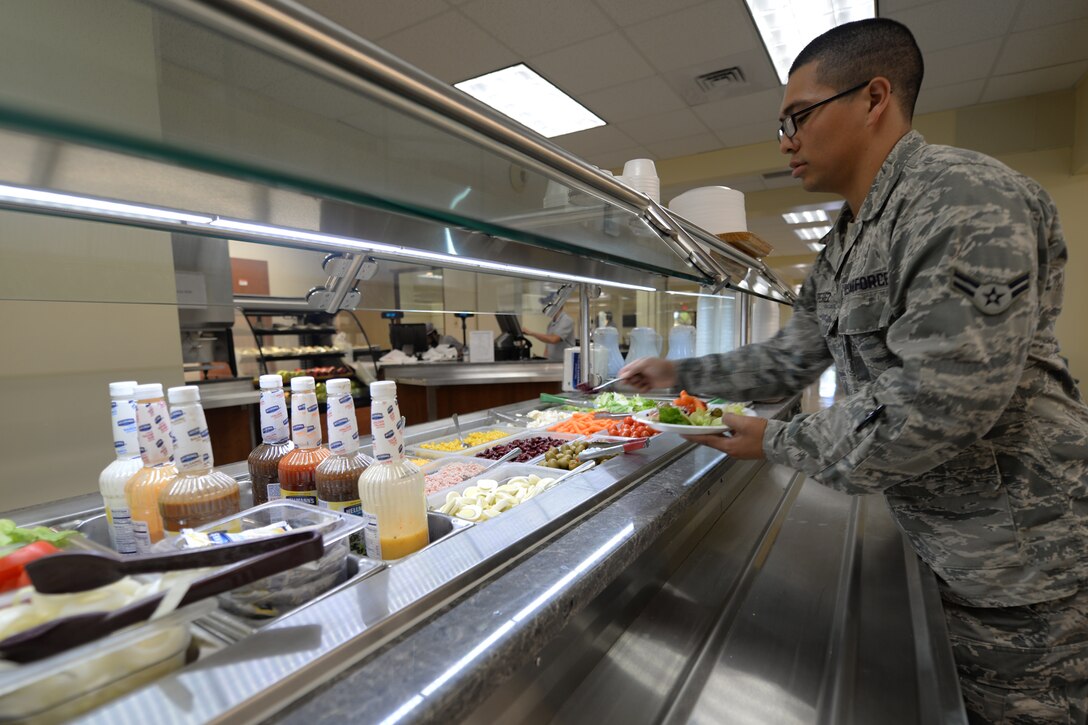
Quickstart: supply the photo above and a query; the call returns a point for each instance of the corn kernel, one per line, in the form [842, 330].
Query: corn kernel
[477, 438]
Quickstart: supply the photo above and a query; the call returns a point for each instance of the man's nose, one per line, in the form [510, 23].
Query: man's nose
[787, 145]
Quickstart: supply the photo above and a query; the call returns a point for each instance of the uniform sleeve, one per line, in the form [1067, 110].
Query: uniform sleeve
[783, 365]
[966, 257]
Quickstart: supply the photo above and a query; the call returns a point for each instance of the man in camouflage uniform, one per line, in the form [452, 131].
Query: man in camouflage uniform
[935, 298]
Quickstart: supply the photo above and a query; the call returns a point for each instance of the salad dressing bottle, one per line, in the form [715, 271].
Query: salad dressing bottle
[275, 443]
[391, 489]
[157, 451]
[337, 477]
[199, 494]
[112, 480]
[297, 468]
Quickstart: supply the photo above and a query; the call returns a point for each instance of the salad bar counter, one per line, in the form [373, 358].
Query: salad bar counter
[605, 577]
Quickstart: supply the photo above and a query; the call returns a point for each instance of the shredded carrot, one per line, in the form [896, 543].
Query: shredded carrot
[581, 424]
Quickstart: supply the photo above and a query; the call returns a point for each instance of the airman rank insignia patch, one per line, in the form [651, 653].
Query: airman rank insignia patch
[990, 298]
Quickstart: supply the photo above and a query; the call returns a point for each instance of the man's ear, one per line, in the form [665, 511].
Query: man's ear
[880, 98]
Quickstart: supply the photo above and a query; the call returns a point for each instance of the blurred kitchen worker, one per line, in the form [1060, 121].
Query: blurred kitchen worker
[560, 334]
[935, 298]
[434, 340]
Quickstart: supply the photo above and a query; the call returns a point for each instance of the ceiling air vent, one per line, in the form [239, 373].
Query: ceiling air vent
[719, 79]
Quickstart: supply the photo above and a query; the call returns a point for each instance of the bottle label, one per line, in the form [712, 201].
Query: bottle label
[309, 497]
[120, 522]
[275, 421]
[153, 430]
[192, 446]
[141, 536]
[123, 418]
[274, 492]
[388, 429]
[342, 426]
[354, 508]
[370, 536]
[305, 425]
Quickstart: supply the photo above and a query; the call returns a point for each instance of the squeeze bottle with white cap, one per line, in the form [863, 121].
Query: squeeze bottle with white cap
[275, 443]
[391, 489]
[157, 450]
[296, 469]
[200, 494]
[337, 477]
[112, 480]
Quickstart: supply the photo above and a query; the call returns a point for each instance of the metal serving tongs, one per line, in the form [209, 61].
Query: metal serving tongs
[591, 454]
[587, 388]
[457, 427]
[65, 633]
[512, 453]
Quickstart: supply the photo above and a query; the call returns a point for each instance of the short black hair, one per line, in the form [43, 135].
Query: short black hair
[853, 53]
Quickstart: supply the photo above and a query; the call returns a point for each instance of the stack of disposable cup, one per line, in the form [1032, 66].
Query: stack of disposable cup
[717, 209]
[641, 175]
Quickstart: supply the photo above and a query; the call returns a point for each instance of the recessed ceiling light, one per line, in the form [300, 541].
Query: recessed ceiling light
[526, 97]
[806, 217]
[787, 26]
[812, 232]
[816, 246]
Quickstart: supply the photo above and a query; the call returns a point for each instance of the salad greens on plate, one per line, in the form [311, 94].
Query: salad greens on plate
[674, 415]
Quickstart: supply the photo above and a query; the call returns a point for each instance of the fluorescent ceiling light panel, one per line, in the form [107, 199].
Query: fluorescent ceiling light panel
[812, 232]
[806, 217]
[526, 97]
[816, 246]
[787, 26]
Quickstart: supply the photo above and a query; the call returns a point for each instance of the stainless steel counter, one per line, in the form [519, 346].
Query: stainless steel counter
[672, 583]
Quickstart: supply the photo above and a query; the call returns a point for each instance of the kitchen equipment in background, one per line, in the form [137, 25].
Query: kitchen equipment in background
[608, 338]
[681, 342]
[645, 342]
[205, 295]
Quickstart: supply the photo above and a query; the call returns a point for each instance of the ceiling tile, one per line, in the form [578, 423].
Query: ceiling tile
[614, 160]
[949, 23]
[629, 12]
[373, 19]
[947, 97]
[967, 62]
[1044, 47]
[686, 146]
[593, 64]
[644, 97]
[450, 47]
[595, 140]
[761, 108]
[1037, 15]
[694, 35]
[664, 126]
[1031, 82]
[532, 27]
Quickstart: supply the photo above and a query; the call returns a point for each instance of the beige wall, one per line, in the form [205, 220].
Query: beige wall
[1044, 136]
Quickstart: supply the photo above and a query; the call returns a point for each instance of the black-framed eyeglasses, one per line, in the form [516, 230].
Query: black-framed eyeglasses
[789, 125]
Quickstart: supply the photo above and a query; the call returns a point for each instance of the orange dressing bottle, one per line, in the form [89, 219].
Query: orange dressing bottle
[297, 468]
[157, 450]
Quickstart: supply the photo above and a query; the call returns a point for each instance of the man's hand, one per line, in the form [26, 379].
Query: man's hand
[747, 439]
[649, 373]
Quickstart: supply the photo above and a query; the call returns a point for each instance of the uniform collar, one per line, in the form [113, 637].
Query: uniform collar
[845, 233]
[889, 174]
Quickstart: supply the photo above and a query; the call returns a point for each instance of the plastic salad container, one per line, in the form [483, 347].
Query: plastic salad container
[501, 474]
[67, 684]
[416, 450]
[277, 594]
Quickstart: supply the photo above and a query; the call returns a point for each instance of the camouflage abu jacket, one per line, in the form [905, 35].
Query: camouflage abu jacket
[937, 307]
